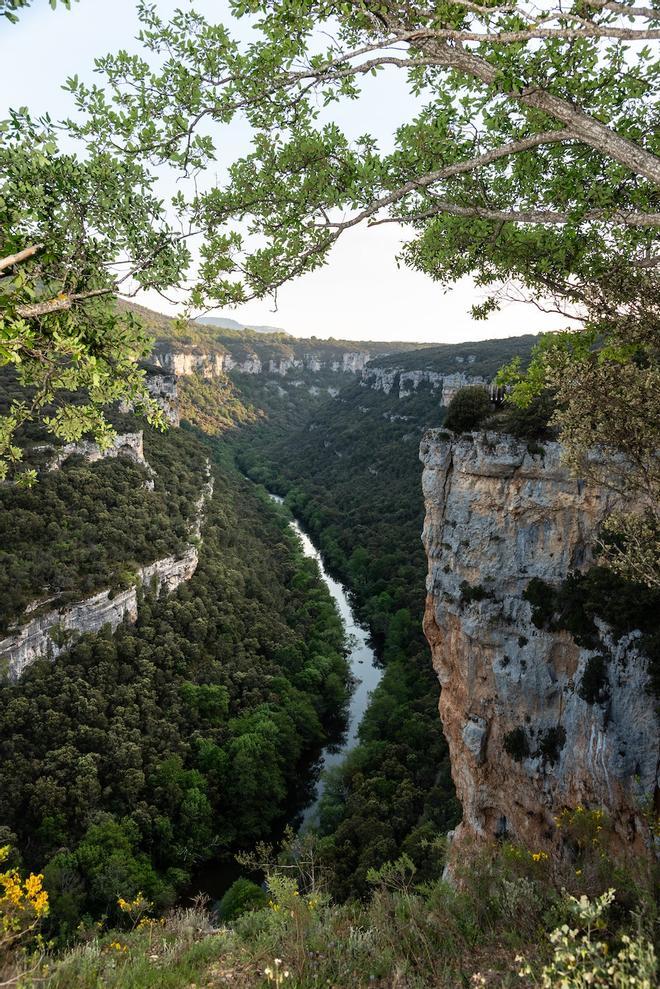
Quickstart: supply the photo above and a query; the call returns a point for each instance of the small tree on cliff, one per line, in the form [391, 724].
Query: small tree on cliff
[468, 409]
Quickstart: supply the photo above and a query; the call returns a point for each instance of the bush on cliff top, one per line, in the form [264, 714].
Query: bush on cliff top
[506, 925]
[468, 409]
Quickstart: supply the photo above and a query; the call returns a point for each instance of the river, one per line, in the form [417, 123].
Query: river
[214, 878]
[363, 667]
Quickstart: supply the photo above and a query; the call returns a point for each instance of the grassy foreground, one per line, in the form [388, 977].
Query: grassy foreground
[511, 919]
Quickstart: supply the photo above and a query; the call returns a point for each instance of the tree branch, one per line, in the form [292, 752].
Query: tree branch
[60, 303]
[23, 255]
[620, 8]
[587, 30]
[588, 129]
[517, 216]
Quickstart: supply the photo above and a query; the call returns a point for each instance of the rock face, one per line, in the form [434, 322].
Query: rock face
[211, 365]
[50, 633]
[123, 445]
[163, 388]
[497, 516]
[182, 363]
[406, 382]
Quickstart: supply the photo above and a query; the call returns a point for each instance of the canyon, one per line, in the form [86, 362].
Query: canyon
[525, 744]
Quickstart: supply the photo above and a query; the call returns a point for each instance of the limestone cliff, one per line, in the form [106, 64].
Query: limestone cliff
[53, 630]
[129, 445]
[163, 388]
[524, 742]
[404, 382]
[255, 359]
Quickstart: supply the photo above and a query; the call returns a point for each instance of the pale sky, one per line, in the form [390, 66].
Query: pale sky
[361, 293]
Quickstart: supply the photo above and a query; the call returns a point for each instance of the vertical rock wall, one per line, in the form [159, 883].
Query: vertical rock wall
[497, 516]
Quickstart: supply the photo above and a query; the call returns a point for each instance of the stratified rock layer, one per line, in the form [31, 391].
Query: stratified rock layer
[496, 516]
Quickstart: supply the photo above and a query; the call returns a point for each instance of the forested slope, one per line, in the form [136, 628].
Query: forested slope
[136, 756]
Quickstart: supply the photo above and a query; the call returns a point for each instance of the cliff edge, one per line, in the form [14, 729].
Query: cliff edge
[536, 721]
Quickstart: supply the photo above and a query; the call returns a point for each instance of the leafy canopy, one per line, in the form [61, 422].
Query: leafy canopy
[67, 226]
[530, 156]
[531, 163]
[10, 8]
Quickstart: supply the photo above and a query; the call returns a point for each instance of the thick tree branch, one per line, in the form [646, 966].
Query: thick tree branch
[23, 255]
[587, 30]
[516, 216]
[60, 303]
[620, 8]
[589, 130]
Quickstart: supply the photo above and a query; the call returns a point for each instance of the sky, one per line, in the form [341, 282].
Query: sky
[362, 293]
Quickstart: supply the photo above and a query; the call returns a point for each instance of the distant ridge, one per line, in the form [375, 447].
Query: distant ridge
[231, 324]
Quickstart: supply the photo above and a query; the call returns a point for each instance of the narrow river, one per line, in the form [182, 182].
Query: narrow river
[362, 662]
[215, 877]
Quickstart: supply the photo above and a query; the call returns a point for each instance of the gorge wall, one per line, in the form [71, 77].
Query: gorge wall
[524, 742]
[390, 380]
[181, 363]
[53, 630]
[403, 382]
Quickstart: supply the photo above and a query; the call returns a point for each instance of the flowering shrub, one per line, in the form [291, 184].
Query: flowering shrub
[275, 973]
[135, 909]
[23, 904]
[581, 961]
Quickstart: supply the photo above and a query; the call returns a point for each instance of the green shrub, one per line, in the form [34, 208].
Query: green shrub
[516, 744]
[595, 687]
[242, 896]
[581, 959]
[552, 742]
[476, 593]
[468, 409]
[531, 423]
[541, 596]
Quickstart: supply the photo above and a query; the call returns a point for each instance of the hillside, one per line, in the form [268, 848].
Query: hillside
[482, 358]
[232, 324]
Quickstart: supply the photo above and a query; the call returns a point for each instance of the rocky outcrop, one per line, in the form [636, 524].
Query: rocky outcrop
[129, 445]
[181, 363]
[248, 365]
[387, 379]
[352, 362]
[50, 633]
[524, 743]
[163, 388]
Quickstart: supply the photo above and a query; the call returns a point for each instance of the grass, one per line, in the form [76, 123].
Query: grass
[479, 932]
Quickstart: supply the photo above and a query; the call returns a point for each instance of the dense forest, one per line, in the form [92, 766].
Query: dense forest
[182, 736]
[482, 359]
[86, 527]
